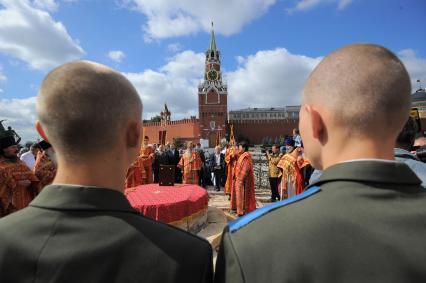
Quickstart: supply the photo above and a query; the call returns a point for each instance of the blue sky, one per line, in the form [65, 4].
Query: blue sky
[268, 47]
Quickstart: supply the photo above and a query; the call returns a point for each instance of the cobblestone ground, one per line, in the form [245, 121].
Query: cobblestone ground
[221, 201]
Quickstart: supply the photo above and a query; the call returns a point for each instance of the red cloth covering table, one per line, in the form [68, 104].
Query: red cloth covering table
[177, 205]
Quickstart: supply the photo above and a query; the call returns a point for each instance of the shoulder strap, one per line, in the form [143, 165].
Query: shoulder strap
[243, 221]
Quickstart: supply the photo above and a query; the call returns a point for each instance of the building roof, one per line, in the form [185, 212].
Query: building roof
[419, 95]
[270, 109]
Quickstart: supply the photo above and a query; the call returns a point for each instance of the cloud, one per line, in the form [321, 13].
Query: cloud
[304, 5]
[2, 76]
[416, 66]
[116, 55]
[31, 35]
[343, 4]
[21, 115]
[174, 47]
[269, 78]
[185, 17]
[48, 5]
[175, 84]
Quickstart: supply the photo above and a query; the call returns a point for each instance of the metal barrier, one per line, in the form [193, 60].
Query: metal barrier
[260, 168]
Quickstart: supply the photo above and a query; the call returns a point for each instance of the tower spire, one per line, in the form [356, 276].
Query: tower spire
[212, 40]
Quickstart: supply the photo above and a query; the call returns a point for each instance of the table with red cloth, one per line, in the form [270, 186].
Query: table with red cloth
[184, 206]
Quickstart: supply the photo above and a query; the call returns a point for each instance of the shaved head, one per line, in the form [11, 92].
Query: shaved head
[84, 106]
[365, 87]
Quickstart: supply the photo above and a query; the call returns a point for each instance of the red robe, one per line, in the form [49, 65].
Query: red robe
[14, 197]
[190, 167]
[147, 157]
[244, 185]
[231, 157]
[292, 179]
[44, 169]
[135, 174]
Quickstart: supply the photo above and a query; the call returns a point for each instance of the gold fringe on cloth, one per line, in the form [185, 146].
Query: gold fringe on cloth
[189, 218]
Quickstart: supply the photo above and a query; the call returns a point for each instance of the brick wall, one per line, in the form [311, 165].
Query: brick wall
[187, 129]
[257, 130]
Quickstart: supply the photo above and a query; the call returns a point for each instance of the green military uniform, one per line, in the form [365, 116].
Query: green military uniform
[362, 221]
[81, 234]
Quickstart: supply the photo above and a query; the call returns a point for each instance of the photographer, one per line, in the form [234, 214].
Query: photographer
[273, 156]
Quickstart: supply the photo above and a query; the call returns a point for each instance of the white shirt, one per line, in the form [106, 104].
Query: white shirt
[217, 159]
[28, 159]
[297, 140]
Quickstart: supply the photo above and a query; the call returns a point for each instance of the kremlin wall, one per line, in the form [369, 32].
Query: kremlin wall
[185, 129]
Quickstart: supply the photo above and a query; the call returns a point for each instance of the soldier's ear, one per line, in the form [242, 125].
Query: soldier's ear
[317, 125]
[133, 134]
[40, 130]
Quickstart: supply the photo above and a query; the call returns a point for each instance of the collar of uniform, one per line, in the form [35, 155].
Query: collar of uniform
[375, 171]
[75, 197]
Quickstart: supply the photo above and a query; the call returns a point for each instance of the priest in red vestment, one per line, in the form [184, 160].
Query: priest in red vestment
[45, 166]
[18, 184]
[244, 182]
[291, 176]
[191, 164]
[134, 175]
[231, 157]
[140, 172]
[147, 158]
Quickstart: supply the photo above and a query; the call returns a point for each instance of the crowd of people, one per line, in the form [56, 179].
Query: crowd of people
[231, 169]
[289, 172]
[23, 174]
[362, 220]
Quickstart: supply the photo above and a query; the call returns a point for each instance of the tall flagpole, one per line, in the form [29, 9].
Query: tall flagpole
[143, 141]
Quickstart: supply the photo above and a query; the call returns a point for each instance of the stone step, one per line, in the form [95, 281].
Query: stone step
[216, 222]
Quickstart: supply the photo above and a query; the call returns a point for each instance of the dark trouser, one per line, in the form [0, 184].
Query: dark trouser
[156, 176]
[274, 182]
[178, 175]
[218, 178]
[201, 178]
[224, 176]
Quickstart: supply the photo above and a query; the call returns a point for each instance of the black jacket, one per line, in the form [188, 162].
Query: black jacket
[160, 159]
[173, 158]
[212, 161]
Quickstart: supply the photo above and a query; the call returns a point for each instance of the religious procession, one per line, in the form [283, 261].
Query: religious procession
[233, 179]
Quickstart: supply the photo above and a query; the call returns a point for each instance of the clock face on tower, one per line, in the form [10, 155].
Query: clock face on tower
[212, 75]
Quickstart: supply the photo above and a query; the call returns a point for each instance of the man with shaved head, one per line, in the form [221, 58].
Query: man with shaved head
[364, 220]
[82, 228]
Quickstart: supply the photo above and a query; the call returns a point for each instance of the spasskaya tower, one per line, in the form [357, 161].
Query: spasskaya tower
[212, 97]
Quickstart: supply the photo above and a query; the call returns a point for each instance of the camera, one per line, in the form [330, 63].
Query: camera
[421, 153]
